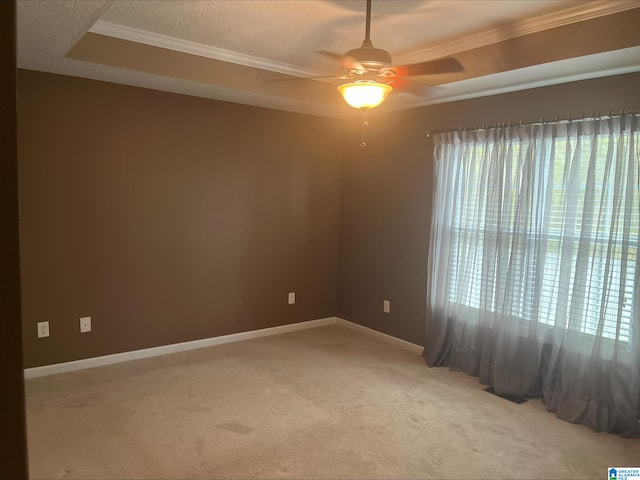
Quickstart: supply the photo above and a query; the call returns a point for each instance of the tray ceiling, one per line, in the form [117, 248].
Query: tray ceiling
[259, 52]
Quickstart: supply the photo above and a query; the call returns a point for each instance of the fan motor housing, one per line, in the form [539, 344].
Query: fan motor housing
[373, 59]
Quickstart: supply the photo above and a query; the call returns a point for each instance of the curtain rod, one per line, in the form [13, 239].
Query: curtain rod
[540, 121]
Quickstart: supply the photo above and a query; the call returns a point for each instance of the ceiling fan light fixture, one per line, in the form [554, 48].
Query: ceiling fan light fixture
[364, 94]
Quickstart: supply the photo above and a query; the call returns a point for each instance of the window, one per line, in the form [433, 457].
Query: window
[533, 281]
[550, 215]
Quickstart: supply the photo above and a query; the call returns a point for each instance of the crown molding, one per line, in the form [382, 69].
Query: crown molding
[564, 71]
[123, 32]
[580, 13]
[527, 85]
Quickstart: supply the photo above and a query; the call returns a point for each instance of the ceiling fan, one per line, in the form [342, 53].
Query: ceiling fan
[373, 76]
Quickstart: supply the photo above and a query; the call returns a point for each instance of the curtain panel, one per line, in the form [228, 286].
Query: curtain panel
[533, 278]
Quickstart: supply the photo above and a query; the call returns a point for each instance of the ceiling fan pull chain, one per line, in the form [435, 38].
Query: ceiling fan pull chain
[365, 123]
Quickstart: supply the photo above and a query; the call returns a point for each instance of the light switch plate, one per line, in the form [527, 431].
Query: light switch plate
[386, 306]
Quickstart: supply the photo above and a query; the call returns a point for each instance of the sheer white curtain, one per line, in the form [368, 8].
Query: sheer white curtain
[533, 265]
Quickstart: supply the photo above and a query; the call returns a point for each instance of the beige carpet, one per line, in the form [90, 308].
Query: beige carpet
[323, 403]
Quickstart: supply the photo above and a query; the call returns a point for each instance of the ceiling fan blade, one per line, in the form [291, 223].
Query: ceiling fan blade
[402, 84]
[332, 55]
[431, 67]
[348, 63]
[322, 77]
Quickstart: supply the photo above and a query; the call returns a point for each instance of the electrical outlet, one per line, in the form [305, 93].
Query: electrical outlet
[43, 329]
[85, 324]
[292, 298]
[386, 306]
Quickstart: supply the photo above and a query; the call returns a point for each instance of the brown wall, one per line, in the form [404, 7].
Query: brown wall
[13, 441]
[168, 218]
[387, 188]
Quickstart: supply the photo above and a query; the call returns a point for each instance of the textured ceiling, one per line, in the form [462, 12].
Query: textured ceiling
[254, 51]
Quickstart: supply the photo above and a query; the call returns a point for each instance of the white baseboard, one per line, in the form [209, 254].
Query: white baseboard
[383, 336]
[209, 342]
[172, 348]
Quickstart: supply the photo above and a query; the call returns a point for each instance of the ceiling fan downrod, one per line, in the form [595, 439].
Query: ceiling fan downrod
[367, 29]
[369, 58]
